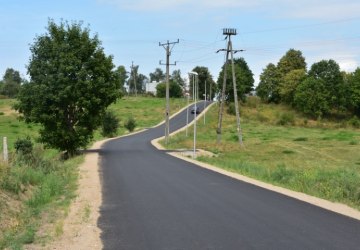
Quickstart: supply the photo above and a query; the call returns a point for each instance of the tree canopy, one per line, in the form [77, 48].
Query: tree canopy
[268, 88]
[72, 82]
[244, 79]
[11, 82]
[157, 76]
[204, 77]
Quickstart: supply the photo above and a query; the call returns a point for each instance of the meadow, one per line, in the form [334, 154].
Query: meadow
[285, 148]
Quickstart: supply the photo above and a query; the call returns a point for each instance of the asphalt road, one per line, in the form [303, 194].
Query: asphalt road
[154, 201]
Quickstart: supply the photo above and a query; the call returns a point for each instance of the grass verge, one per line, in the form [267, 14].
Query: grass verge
[320, 158]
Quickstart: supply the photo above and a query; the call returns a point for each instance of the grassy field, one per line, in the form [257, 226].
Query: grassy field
[320, 158]
[38, 189]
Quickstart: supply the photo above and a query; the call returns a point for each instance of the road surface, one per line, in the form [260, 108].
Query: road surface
[152, 200]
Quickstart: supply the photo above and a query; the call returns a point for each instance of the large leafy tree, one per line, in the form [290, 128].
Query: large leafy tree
[268, 88]
[175, 90]
[329, 72]
[122, 75]
[244, 79]
[72, 82]
[293, 59]
[204, 77]
[157, 76]
[354, 92]
[139, 79]
[176, 77]
[312, 97]
[289, 83]
[11, 82]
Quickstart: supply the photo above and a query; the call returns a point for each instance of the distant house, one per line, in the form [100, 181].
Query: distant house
[151, 87]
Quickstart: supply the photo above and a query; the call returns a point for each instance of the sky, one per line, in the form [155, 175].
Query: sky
[131, 31]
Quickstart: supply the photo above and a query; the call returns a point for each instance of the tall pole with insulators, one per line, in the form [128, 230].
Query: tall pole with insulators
[229, 50]
[167, 108]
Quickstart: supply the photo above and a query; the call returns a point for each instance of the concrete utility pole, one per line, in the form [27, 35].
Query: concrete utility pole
[167, 112]
[134, 77]
[229, 49]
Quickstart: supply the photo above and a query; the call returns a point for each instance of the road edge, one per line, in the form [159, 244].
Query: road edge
[319, 202]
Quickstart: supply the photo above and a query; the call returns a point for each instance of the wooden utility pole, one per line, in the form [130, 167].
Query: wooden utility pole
[229, 49]
[5, 150]
[167, 111]
[134, 77]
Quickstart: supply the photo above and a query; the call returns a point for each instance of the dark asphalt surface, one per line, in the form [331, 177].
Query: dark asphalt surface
[154, 201]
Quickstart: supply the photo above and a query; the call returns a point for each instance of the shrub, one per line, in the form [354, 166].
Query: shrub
[24, 146]
[110, 124]
[286, 119]
[355, 122]
[231, 109]
[130, 124]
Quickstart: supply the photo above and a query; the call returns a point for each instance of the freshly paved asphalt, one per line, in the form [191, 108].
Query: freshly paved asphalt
[154, 201]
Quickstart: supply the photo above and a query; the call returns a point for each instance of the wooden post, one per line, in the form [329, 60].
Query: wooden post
[5, 150]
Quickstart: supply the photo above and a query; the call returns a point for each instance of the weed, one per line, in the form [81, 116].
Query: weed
[301, 139]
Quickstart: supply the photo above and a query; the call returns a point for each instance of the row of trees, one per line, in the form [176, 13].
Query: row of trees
[322, 90]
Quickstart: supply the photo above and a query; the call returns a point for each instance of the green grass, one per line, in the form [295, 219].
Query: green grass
[146, 111]
[40, 189]
[317, 158]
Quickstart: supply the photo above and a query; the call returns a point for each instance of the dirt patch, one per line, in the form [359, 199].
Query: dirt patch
[7, 111]
[79, 229]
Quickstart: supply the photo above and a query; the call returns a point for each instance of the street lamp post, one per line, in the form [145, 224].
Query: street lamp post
[195, 74]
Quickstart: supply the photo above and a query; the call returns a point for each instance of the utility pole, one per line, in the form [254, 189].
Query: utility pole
[229, 49]
[134, 77]
[167, 111]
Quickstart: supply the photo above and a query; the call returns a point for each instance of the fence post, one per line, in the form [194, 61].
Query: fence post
[5, 150]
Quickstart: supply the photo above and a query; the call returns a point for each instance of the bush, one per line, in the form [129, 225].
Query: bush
[231, 109]
[286, 119]
[355, 122]
[130, 124]
[110, 124]
[24, 146]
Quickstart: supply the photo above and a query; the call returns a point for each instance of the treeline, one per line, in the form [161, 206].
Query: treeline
[320, 91]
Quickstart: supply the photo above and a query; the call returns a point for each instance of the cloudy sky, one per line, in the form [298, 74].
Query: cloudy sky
[131, 30]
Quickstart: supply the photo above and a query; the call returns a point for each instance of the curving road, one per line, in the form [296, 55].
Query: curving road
[152, 200]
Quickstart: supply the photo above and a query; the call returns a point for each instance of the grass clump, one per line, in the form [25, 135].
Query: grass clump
[38, 183]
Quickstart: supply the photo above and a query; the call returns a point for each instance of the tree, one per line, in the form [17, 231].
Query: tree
[293, 59]
[176, 77]
[140, 80]
[204, 76]
[157, 76]
[268, 88]
[329, 72]
[311, 97]
[354, 92]
[11, 83]
[289, 84]
[72, 82]
[175, 91]
[122, 75]
[244, 79]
